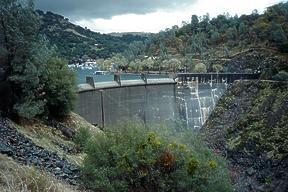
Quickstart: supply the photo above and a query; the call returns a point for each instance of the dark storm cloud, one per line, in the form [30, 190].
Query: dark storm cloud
[87, 9]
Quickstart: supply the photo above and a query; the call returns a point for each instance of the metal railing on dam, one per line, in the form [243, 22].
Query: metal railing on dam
[107, 103]
[215, 77]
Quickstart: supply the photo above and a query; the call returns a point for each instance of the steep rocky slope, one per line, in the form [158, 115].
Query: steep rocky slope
[250, 127]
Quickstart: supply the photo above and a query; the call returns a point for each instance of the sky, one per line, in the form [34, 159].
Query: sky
[106, 16]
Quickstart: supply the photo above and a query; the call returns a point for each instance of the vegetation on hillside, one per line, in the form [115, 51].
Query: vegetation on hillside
[33, 81]
[203, 34]
[203, 40]
[214, 41]
[75, 43]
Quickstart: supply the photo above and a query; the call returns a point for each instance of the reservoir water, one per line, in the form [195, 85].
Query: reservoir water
[82, 73]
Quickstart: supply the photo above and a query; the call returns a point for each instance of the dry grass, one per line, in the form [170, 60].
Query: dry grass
[76, 122]
[15, 177]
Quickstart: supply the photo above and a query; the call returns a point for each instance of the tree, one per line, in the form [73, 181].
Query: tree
[215, 37]
[194, 23]
[135, 65]
[147, 64]
[22, 67]
[59, 86]
[200, 68]
[243, 30]
[232, 33]
[277, 35]
[119, 60]
[24, 61]
[172, 64]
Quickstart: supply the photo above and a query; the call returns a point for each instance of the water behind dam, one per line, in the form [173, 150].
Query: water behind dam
[189, 104]
[82, 73]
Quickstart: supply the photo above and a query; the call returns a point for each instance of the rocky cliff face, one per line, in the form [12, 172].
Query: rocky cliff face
[250, 127]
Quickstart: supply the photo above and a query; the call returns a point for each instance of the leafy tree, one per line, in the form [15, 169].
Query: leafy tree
[104, 64]
[21, 65]
[172, 64]
[204, 25]
[215, 37]
[200, 68]
[119, 60]
[194, 23]
[59, 86]
[24, 62]
[243, 30]
[277, 35]
[188, 63]
[147, 64]
[135, 65]
[232, 33]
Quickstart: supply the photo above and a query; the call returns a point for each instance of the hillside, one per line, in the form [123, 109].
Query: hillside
[246, 43]
[202, 35]
[40, 156]
[74, 42]
[249, 127]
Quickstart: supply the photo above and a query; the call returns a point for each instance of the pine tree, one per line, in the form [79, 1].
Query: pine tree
[24, 61]
[19, 26]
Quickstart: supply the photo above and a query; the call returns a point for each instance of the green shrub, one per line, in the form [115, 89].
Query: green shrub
[133, 158]
[281, 76]
[82, 137]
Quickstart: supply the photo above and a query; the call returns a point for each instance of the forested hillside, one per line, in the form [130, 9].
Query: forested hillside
[246, 43]
[74, 42]
[203, 33]
[260, 39]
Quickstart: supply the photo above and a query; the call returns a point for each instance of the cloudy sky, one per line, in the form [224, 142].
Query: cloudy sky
[144, 15]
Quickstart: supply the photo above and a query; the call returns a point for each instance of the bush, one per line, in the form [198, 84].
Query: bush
[133, 158]
[281, 76]
[82, 137]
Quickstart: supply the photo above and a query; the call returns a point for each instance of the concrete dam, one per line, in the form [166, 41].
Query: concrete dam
[149, 100]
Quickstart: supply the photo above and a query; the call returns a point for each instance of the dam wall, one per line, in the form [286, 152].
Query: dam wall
[108, 103]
